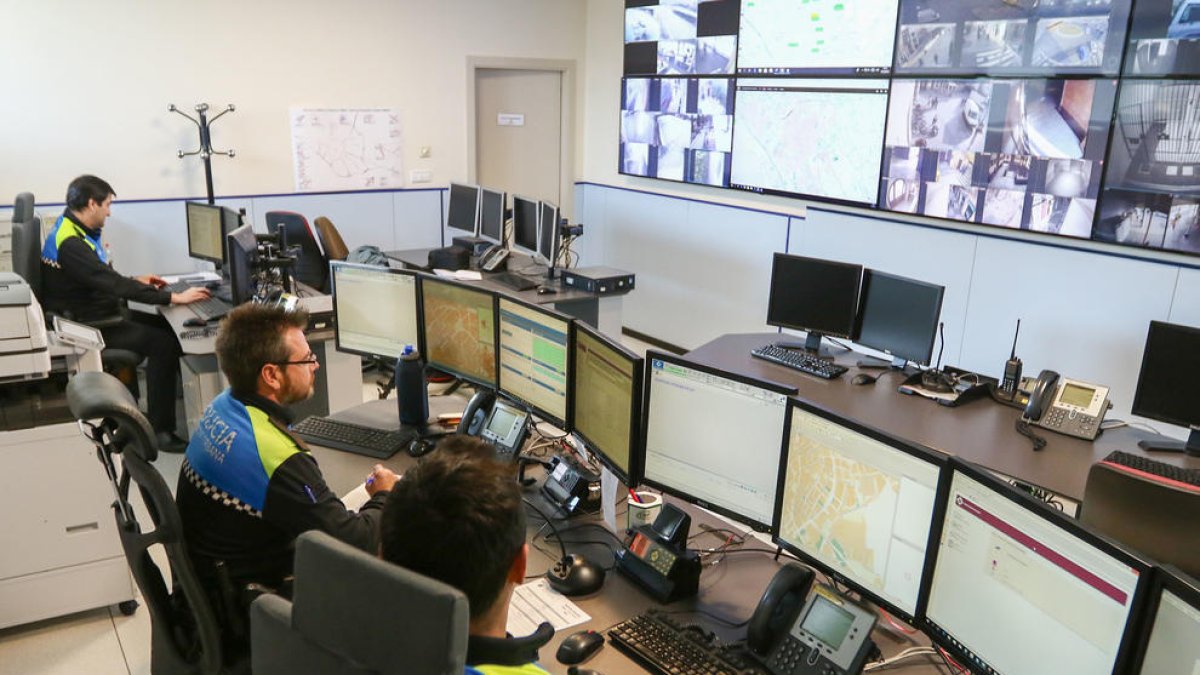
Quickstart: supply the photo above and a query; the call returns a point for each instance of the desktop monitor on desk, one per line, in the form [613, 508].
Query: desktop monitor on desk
[817, 296]
[535, 359]
[376, 310]
[1167, 384]
[900, 317]
[1167, 644]
[242, 249]
[462, 213]
[859, 504]
[606, 397]
[1018, 587]
[713, 437]
[548, 233]
[459, 325]
[526, 215]
[491, 215]
[206, 232]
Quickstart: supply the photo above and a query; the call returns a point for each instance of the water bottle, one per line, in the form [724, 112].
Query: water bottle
[412, 396]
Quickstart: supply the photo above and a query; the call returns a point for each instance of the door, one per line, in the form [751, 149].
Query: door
[518, 132]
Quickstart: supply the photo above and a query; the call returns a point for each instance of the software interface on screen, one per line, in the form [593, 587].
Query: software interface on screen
[205, 232]
[820, 37]
[681, 37]
[816, 295]
[859, 506]
[525, 224]
[376, 310]
[900, 316]
[1173, 648]
[463, 211]
[714, 439]
[533, 358]
[460, 326]
[1065, 602]
[491, 215]
[605, 382]
[810, 137]
[677, 129]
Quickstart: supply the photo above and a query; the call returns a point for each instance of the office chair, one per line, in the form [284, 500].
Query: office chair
[312, 267]
[184, 631]
[1145, 511]
[352, 614]
[331, 239]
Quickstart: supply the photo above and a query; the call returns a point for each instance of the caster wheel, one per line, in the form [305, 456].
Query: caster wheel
[128, 607]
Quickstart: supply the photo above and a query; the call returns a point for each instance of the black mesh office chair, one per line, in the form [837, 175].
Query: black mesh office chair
[185, 633]
[312, 267]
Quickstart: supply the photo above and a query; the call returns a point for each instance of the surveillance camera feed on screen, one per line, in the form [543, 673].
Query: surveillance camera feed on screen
[817, 38]
[680, 37]
[1022, 154]
[678, 129]
[1164, 39]
[1011, 37]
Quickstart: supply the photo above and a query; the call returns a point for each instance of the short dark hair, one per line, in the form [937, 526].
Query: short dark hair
[457, 517]
[251, 336]
[87, 188]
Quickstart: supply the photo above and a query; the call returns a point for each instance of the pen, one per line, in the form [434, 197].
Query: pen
[635, 496]
[308, 491]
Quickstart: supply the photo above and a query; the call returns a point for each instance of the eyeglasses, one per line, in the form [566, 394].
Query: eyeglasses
[310, 360]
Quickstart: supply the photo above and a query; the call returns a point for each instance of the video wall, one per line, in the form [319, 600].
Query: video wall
[1075, 118]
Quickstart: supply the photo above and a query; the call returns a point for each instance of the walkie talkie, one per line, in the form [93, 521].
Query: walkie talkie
[1012, 369]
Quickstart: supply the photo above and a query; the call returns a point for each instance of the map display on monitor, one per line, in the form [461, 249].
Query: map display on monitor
[817, 37]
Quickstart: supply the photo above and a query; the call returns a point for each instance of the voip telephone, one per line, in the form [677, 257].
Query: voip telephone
[1068, 406]
[495, 421]
[492, 258]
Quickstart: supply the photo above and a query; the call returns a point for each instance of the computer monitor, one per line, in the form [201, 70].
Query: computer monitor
[606, 399]
[526, 214]
[900, 317]
[535, 358]
[817, 296]
[858, 504]
[243, 254]
[205, 232]
[459, 325]
[463, 211]
[1018, 587]
[1166, 388]
[713, 437]
[1168, 642]
[548, 233]
[491, 215]
[375, 309]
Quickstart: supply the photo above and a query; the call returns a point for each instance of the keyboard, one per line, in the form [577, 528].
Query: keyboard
[210, 309]
[199, 333]
[1162, 470]
[513, 281]
[799, 360]
[356, 438]
[662, 645]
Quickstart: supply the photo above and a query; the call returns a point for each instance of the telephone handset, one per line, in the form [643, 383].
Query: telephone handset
[1068, 406]
[492, 258]
[476, 412]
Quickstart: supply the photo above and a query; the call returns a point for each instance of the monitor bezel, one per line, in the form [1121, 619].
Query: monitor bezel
[851, 320]
[947, 642]
[483, 191]
[537, 226]
[864, 292]
[1164, 578]
[631, 476]
[785, 390]
[445, 368]
[449, 196]
[551, 230]
[218, 261]
[910, 448]
[564, 422]
[335, 265]
[1138, 406]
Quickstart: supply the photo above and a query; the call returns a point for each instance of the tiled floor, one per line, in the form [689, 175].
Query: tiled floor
[103, 641]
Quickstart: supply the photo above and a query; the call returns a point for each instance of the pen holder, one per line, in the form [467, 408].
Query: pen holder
[644, 512]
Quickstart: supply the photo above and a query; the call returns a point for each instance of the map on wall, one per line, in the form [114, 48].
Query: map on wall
[347, 148]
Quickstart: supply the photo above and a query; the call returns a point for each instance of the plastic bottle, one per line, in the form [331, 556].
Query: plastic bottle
[412, 396]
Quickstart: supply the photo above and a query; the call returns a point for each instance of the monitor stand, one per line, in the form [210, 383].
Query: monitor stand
[811, 345]
[897, 363]
[1191, 446]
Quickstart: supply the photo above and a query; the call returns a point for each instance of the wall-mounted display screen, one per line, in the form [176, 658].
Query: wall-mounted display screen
[817, 37]
[678, 129]
[1164, 39]
[680, 37]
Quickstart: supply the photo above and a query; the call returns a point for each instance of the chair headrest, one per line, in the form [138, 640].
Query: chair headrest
[23, 208]
[96, 395]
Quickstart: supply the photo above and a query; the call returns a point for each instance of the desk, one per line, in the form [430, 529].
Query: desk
[601, 311]
[981, 431]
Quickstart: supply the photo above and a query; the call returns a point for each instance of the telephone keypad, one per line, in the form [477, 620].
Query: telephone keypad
[790, 655]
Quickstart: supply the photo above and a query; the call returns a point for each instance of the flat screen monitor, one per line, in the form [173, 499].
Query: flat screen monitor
[1166, 388]
[243, 255]
[548, 232]
[713, 437]
[375, 309]
[491, 215]
[1018, 587]
[463, 211]
[1168, 644]
[678, 38]
[459, 324]
[678, 129]
[858, 504]
[814, 295]
[206, 232]
[1164, 39]
[606, 397]
[526, 216]
[535, 358]
[818, 39]
[900, 317]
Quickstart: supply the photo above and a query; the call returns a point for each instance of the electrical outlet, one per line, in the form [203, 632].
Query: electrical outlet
[420, 176]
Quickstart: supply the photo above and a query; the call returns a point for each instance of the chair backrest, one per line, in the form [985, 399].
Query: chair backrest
[185, 636]
[312, 267]
[331, 239]
[27, 243]
[1152, 515]
[354, 613]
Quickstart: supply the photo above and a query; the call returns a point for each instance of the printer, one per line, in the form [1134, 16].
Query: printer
[24, 346]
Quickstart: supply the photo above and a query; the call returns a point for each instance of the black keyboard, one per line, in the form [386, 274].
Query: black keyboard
[799, 360]
[513, 281]
[662, 645]
[210, 309]
[356, 438]
[1179, 474]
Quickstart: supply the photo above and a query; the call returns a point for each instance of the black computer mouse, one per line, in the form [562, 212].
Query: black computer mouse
[420, 447]
[545, 290]
[576, 575]
[577, 647]
[863, 378]
[194, 322]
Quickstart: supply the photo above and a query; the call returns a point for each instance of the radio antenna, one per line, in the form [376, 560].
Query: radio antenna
[1014, 347]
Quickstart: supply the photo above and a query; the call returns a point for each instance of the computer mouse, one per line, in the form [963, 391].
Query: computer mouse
[576, 575]
[545, 290]
[419, 447]
[577, 647]
[863, 378]
[195, 322]
[582, 671]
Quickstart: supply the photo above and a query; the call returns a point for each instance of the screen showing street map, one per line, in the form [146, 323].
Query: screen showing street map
[460, 330]
[817, 37]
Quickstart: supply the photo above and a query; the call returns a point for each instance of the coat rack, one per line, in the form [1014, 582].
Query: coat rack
[206, 151]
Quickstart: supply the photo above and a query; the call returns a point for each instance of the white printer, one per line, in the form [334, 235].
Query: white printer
[24, 348]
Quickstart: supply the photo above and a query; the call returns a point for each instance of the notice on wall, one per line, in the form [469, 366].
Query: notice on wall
[347, 148]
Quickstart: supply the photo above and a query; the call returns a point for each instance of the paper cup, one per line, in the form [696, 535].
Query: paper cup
[645, 512]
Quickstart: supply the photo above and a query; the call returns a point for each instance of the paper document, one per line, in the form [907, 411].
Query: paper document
[196, 277]
[535, 602]
[460, 275]
[355, 498]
